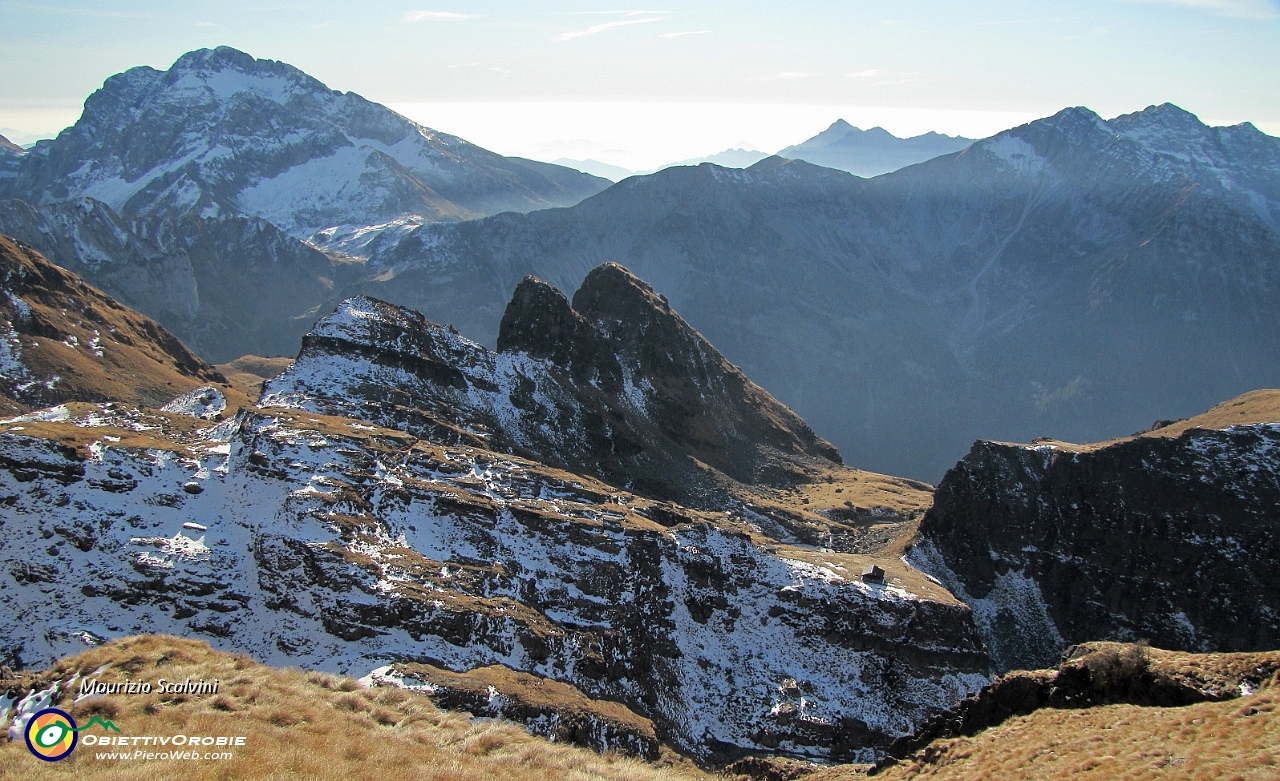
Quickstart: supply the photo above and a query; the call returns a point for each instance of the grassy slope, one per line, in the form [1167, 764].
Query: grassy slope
[247, 372]
[1237, 739]
[301, 725]
[1233, 739]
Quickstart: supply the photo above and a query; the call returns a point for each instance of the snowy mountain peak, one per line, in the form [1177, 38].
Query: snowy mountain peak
[225, 72]
[618, 386]
[224, 134]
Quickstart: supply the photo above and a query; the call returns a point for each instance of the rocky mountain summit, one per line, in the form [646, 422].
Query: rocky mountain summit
[426, 551]
[1167, 537]
[616, 385]
[204, 195]
[1046, 280]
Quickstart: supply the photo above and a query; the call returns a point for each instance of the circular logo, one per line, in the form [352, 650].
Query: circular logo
[51, 734]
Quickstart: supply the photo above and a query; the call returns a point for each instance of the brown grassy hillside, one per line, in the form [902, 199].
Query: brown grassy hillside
[75, 343]
[299, 725]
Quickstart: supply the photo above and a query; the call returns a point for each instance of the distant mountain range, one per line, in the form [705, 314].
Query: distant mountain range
[1073, 276]
[841, 146]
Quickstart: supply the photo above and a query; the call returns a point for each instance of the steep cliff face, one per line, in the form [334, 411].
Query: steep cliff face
[332, 543]
[217, 283]
[1165, 538]
[617, 386]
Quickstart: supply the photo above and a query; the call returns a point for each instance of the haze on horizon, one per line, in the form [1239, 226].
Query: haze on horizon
[643, 86]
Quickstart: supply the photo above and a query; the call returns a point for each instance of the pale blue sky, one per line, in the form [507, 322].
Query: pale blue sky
[958, 67]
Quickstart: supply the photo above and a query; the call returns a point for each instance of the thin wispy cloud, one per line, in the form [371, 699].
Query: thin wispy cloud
[436, 16]
[879, 76]
[791, 76]
[57, 9]
[616, 13]
[683, 33]
[599, 28]
[461, 65]
[1242, 9]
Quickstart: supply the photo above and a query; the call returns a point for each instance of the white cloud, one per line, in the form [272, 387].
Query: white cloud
[686, 32]
[877, 77]
[615, 13]
[435, 16]
[599, 28]
[1243, 9]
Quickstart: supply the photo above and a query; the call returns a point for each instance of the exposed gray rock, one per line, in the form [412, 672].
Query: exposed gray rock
[333, 544]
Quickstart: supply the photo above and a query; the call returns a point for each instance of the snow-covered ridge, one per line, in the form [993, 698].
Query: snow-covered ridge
[330, 543]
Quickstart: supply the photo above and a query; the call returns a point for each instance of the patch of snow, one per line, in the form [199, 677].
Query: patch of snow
[204, 402]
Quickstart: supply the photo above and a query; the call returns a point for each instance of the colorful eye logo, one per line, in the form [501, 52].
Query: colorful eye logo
[51, 734]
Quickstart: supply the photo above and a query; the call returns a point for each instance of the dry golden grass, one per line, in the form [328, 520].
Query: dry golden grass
[1259, 406]
[1233, 741]
[1237, 739]
[302, 725]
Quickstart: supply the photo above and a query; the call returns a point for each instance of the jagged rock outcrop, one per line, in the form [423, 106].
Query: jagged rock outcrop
[1171, 539]
[617, 386]
[62, 340]
[336, 544]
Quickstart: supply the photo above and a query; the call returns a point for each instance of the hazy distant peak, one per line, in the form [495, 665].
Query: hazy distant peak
[871, 152]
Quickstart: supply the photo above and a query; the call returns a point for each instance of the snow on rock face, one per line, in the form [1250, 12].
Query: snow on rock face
[329, 543]
[1167, 539]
